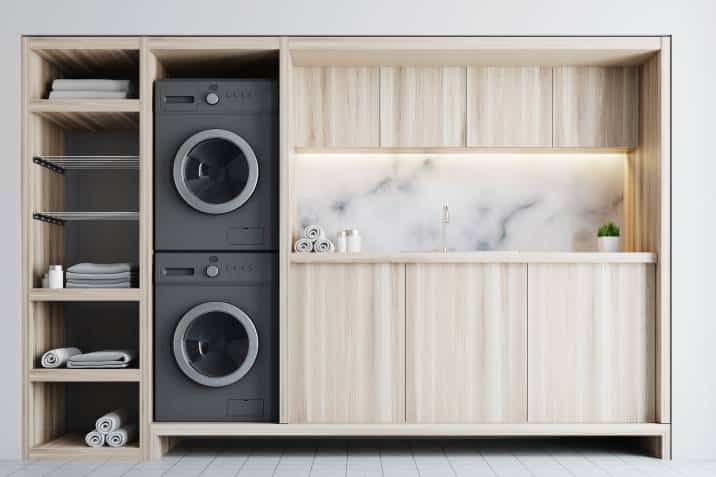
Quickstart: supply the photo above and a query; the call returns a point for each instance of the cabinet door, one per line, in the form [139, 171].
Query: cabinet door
[346, 343]
[466, 343]
[509, 106]
[591, 343]
[422, 106]
[596, 106]
[335, 106]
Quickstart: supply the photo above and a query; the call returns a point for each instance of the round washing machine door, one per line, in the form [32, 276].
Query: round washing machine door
[215, 344]
[215, 171]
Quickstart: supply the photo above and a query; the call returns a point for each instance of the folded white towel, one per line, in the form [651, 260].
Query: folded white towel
[97, 365]
[112, 421]
[323, 246]
[90, 85]
[99, 281]
[88, 95]
[101, 268]
[98, 285]
[100, 276]
[94, 439]
[112, 355]
[122, 436]
[57, 357]
[313, 232]
[303, 245]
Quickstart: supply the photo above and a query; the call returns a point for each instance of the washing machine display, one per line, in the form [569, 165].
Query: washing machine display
[215, 344]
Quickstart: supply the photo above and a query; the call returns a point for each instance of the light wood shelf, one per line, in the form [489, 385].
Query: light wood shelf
[64, 375]
[89, 115]
[85, 106]
[475, 257]
[73, 445]
[86, 294]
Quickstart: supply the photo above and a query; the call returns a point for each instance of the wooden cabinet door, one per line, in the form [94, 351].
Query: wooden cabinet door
[509, 106]
[596, 106]
[591, 343]
[346, 343]
[422, 106]
[466, 343]
[335, 106]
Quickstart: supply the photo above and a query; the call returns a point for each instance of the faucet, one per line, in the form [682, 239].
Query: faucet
[445, 220]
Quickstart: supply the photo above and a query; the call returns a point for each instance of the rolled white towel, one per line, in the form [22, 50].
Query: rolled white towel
[313, 232]
[58, 357]
[94, 439]
[122, 436]
[303, 245]
[323, 246]
[112, 420]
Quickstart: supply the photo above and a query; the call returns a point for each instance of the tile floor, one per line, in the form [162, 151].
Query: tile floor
[369, 458]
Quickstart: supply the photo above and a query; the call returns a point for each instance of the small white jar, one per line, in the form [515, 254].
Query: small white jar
[609, 244]
[56, 276]
[353, 240]
[341, 242]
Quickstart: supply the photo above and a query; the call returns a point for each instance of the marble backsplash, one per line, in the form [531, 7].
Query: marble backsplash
[501, 202]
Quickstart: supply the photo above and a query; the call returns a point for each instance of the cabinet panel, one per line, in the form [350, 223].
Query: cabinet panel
[466, 343]
[422, 106]
[591, 343]
[335, 106]
[509, 106]
[346, 351]
[596, 106]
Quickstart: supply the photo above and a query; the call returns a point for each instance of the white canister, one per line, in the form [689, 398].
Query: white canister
[56, 276]
[45, 281]
[342, 242]
[353, 240]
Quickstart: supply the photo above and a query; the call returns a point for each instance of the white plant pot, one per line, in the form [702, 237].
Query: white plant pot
[609, 244]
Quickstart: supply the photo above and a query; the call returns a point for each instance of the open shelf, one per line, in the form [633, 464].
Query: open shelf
[73, 445]
[85, 294]
[64, 375]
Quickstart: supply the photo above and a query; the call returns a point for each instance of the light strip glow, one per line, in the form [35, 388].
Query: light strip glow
[512, 156]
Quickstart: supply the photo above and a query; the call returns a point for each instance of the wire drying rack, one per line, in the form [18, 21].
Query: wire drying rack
[60, 164]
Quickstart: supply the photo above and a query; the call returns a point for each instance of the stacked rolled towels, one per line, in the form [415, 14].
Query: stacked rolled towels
[102, 275]
[58, 357]
[313, 240]
[108, 359]
[90, 89]
[112, 429]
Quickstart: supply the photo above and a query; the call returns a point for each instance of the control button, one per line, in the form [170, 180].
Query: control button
[212, 271]
[212, 98]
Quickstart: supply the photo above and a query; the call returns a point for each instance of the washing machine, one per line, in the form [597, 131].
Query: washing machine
[216, 165]
[216, 337]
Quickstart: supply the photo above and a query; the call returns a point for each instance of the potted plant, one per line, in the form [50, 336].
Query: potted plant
[608, 238]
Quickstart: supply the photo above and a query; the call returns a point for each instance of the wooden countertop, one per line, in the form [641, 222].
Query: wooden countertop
[475, 257]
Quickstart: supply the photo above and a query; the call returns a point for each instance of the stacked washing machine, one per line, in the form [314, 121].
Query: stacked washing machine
[216, 250]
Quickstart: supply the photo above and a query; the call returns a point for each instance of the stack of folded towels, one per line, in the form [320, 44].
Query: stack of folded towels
[113, 429]
[313, 240]
[74, 358]
[102, 275]
[90, 89]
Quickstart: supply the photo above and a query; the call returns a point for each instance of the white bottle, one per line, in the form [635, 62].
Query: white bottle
[353, 239]
[341, 242]
[56, 276]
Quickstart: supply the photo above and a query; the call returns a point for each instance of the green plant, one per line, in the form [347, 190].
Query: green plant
[608, 230]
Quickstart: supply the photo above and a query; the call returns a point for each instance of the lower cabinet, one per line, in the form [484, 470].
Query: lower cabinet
[591, 343]
[466, 343]
[346, 343]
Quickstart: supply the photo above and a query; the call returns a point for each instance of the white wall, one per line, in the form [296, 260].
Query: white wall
[694, 82]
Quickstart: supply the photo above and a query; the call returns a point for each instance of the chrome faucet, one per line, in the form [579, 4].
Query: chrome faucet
[445, 220]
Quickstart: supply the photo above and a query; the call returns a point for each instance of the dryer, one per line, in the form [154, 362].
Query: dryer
[216, 337]
[216, 165]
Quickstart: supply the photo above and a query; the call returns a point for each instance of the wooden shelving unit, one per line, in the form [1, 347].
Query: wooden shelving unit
[63, 375]
[88, 294]
[73, 445]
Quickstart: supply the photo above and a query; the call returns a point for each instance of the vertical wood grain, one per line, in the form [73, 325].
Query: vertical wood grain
[509, 106]
[422, 106]
[346, 335]
[591, 343]
[336, 106]
[596, 106]
[466, 343]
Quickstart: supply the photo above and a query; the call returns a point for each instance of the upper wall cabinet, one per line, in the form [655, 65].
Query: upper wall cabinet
[336, 106]
[509, 106]
[422, 106]
[596, 106]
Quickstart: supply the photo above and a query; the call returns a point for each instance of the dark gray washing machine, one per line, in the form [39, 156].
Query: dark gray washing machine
[216, 337]
[216, 164]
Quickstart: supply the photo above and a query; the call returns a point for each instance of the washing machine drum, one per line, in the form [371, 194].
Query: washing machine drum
[215, 344]
[215, 171]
